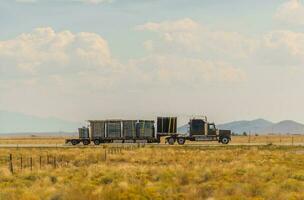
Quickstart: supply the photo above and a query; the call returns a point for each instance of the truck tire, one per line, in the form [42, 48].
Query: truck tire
[181, 141]
[97, 142]
[86, 142]
[74, 142]
[171, 140]
[225, 140]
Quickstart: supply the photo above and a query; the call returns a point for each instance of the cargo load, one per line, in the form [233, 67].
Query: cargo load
[113, 128]
[97, 129]
[129, 129]
[166, 125]
[83, 133]
[145, 129]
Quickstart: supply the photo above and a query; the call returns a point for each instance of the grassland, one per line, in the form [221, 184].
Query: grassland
[219, 172]
[32, 140]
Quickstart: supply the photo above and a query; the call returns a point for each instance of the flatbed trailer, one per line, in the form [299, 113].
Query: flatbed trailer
[88, 141]
[180, 139]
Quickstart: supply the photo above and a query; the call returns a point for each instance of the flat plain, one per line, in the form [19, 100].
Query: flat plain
[266, 171]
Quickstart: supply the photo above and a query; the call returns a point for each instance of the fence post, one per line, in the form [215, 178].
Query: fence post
[31, 163]
[292, 140]
[105, 155]
[21, 163]
[11, 163]
[40, 162]
[55, 162]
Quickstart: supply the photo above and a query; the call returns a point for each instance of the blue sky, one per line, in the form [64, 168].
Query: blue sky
[81, 59]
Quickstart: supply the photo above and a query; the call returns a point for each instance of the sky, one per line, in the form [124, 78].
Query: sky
[97, 59]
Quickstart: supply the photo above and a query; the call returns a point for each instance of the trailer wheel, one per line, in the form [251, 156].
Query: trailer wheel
[171, 141]
[225, 140]
[86, 142]
[74, 142]
[97, 142]
[181, 141]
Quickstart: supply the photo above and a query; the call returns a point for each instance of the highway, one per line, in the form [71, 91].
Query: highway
[134, 144]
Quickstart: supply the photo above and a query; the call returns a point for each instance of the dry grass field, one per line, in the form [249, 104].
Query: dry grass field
[32, 140]
[151, 172]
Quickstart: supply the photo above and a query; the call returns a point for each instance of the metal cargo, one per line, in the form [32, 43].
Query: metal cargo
[113, 128]
[197, 127]
[97, 129]
[129, 128]
[83, 133]
[166, 124]
[145, 129]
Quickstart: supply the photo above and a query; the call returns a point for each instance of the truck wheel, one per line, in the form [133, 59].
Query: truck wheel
[96, 142]
[74, 142]
[225, 140]
[181, 141]
[86, 142]
[171, 141]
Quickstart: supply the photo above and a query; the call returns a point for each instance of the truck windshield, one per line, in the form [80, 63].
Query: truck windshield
[211, 126]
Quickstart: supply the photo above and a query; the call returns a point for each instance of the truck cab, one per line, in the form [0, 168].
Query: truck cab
[201, 130]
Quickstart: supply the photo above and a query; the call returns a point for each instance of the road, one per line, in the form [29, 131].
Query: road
[121, 145]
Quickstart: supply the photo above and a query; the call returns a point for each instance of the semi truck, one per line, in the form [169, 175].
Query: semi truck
[200, 130]
[143, 131]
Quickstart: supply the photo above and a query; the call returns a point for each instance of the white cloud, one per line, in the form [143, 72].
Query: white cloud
[291, 12]
[26, 1]
[67, 1]
[66, 56]
[189, 39]
[183, 25]
[282, 48]
[173, 70]
[187, 35]
[182, 32]
[181, 53]
[45, 51]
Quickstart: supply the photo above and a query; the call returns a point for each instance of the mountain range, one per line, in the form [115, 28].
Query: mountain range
[260, 126]
[13, 122]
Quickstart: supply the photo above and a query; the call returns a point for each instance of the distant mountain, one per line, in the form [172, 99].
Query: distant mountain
[260, 126]
[287, 126]
[183, 129]
[12, 122]
[254, 126]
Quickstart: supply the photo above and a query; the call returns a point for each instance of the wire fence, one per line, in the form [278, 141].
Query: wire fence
[269, 139]
[17, 163]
